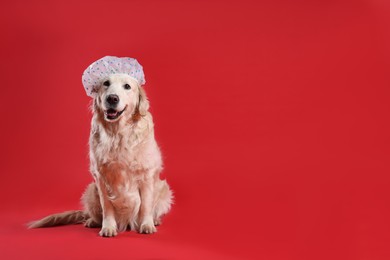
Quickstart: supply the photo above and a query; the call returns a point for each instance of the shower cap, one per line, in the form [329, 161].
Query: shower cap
[100, 69]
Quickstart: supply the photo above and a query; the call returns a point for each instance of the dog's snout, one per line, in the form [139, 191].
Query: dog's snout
[112, 99]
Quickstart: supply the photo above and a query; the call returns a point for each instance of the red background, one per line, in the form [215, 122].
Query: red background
[273, 118]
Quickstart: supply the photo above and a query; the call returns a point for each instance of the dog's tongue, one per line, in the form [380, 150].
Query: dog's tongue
[111, 112]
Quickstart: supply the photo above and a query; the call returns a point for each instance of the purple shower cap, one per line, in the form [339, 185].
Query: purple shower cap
[101, 69]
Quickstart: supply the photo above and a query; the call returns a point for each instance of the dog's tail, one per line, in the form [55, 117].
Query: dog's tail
[65, 218]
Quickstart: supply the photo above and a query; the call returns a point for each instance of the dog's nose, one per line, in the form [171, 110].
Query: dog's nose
[112, 99]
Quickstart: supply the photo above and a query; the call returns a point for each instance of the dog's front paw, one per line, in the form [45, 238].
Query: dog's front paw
[147, 228]
[108, 232]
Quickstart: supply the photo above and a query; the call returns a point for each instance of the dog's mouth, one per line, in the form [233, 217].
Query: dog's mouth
[112, 114]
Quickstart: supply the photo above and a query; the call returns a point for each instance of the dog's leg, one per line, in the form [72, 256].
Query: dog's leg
[90, 223]
[92, 207]
[146, 213]
[162, 200]
[109, 227]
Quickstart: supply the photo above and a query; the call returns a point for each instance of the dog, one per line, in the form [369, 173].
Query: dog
[125, 162]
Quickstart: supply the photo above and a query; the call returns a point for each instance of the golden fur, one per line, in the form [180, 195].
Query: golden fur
[125, 162]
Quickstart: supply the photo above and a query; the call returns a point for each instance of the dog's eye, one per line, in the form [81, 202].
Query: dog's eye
[127, 86]
[106, 83]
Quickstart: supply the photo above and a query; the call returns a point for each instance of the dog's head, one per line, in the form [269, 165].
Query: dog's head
[120, 96]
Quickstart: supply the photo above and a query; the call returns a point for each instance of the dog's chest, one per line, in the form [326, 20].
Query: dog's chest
[127, 149]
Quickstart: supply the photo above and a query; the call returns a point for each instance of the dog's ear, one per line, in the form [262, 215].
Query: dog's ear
[95, 104]
[143, 102]
[142, 105]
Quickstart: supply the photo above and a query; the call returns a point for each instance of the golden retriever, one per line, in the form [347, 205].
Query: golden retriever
[125, 162]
